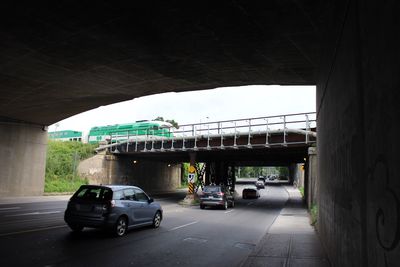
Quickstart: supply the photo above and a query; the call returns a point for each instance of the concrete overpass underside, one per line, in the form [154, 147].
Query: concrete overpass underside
[64, 57]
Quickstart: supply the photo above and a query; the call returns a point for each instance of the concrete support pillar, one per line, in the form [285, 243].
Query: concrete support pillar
[208, 173]
[23, 150]
[293, 177]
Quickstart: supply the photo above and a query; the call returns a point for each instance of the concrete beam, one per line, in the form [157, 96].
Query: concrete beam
[23, 150]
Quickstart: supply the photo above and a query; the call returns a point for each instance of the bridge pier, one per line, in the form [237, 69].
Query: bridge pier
[23, 150]
[152, 176]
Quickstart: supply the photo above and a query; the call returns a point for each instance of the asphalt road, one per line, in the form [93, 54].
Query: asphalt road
[34, 234]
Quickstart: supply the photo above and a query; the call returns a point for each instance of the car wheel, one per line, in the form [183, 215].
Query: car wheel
[225, 207]
[157, 220]
[121, 226]
[202, 206]
[76, 227]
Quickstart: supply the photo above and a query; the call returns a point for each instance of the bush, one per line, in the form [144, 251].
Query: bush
[301, 189]
[61, 164]
[314, 214]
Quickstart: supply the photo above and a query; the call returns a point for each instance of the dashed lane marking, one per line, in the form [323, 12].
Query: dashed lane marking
[33, 230]
[34, 213]
[185, 225]
[11, 208]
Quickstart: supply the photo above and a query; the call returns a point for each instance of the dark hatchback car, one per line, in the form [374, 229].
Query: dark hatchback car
[216, 196]
[113, 207]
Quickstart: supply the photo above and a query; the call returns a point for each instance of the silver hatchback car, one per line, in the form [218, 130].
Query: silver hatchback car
[114, 207]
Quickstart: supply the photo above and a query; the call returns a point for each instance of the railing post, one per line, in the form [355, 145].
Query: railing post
[234, 138]
[136, 138]
[307, 128]
[249, 136]
[127, 141]
[208, 137]
[284, 130]
[222, 135]
[266, 134]
[195, 137]
[183, 138]
[145, 140]
[172, 140]
[152, 141]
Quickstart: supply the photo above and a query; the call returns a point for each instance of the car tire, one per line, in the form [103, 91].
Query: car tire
[76, 227]
[157, 220]
[202, 206]
[121, 226]
[225, 206]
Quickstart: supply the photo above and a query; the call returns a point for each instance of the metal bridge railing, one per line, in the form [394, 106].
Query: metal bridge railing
[300, 123]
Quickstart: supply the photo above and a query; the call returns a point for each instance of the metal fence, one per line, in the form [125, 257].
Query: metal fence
[300, 123]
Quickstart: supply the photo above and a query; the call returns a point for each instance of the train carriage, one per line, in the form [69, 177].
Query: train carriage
[136, 130]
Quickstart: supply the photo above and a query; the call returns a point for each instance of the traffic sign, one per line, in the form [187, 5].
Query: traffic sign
[191, 178]
[192, 169]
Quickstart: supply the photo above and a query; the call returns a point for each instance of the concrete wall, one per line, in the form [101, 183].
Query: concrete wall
[358, 125]
[312, 177]
[23, 150]
[150, 175]
[98, 169]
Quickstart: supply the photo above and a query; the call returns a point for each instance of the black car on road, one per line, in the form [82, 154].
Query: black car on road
[216, 196]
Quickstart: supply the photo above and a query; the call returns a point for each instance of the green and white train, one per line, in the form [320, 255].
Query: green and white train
[66, 135]
[137, 130]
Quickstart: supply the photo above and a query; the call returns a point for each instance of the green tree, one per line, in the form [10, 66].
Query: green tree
[173, 122]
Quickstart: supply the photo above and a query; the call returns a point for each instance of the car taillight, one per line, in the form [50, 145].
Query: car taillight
[220, 194]
[109, 205]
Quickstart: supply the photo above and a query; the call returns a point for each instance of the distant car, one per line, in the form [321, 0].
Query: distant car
[261, 178]
[250, 192]
[260, 183]
[272, 178]
[113, 207]
[216, 196]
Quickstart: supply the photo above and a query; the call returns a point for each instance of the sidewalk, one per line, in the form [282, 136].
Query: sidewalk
[291, 241]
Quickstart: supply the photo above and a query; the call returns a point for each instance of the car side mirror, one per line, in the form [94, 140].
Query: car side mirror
[151, 200]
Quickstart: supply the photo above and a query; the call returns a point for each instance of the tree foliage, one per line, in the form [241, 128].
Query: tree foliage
[251, 172]
[61, 164]
[173, 122]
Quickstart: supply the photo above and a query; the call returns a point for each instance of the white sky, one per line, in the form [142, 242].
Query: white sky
[225, 103]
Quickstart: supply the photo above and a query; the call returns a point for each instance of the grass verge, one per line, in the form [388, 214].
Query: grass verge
[61, 185]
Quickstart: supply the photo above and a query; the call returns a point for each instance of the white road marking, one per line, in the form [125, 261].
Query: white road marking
[228, 211]
[33, 230]
[11, 208]
[33, 213]
[251, 203]
[178, 227]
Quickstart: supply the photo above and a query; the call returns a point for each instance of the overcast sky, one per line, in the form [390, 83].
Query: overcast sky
[193, 107]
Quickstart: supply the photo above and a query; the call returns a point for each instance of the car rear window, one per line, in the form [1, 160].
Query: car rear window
[211, 189]
[93, 193]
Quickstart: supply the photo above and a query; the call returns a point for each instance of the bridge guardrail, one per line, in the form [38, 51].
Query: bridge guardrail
[300, 123]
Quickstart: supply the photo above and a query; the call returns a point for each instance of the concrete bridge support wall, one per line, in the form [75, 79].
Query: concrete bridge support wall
[23, 150]
[312, 178]
[358, 100]
[152, 176]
